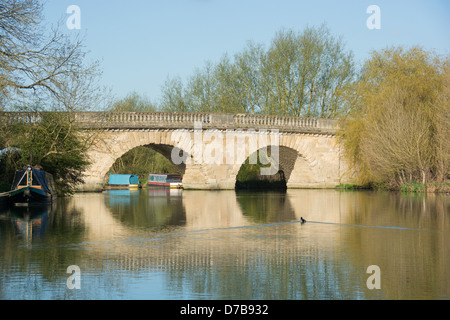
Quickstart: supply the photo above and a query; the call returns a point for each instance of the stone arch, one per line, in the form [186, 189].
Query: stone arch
[297, 158]
[113, 144]
[290, 163]
[163, 149]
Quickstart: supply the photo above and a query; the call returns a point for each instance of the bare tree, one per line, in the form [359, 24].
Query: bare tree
[396, 143]
[443, 127]
[41, 65]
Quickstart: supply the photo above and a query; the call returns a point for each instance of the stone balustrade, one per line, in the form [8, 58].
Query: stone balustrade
[180, 120]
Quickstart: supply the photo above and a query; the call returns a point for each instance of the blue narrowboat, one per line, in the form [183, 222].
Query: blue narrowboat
[123, 181]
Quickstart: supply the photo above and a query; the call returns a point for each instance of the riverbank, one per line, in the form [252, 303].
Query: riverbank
[413, 187]
[428, 188]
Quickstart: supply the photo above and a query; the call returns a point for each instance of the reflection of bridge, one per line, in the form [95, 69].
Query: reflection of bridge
[210, 157]
[132, 250]
[322, 260]
[212, 241]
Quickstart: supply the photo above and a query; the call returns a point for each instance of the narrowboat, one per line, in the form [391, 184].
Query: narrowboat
[123, 181]
[165, 180]
[32, 185]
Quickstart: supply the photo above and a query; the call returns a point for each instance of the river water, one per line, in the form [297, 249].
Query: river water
[156, 244]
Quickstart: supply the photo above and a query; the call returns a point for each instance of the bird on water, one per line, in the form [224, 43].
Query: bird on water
[302, 220]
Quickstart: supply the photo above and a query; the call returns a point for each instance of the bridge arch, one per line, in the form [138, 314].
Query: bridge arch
[113, 144]
[296, 159]
[162, 149]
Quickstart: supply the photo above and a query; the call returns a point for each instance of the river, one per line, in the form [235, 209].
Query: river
[156, 244]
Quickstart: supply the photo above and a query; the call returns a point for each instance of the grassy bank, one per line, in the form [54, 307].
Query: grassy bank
[430, 187]
[413, 187]
[351, 187]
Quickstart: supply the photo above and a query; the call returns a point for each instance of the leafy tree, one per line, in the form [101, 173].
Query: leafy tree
[133, 102]
[306, 73]
[299, 74]
[54, 143]
[249, 86]
[174, 97]
[202, 90]
[442, 118]
[397, 127]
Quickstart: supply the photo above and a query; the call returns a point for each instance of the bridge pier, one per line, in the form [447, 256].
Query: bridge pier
[91, 185]
[210, 177]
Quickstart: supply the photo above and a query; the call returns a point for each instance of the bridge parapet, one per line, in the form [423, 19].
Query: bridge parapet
[181, 120]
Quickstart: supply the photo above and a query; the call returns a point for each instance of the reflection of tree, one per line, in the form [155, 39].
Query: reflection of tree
[411, 261]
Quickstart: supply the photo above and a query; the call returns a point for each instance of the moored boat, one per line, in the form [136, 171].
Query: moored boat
[165, 180]
[32, 185]
[123, 181]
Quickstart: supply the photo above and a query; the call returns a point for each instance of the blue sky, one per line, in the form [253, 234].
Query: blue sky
[141, 43]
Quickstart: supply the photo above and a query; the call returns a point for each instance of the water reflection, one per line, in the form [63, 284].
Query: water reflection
[160, 244]
[142, 209]
[30, 221]
[126, 197]
[264, 207]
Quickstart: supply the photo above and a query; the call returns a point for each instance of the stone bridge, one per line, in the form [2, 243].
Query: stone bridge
[208, 148]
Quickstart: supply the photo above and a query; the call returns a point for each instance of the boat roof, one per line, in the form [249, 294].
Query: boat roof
[123, 179]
